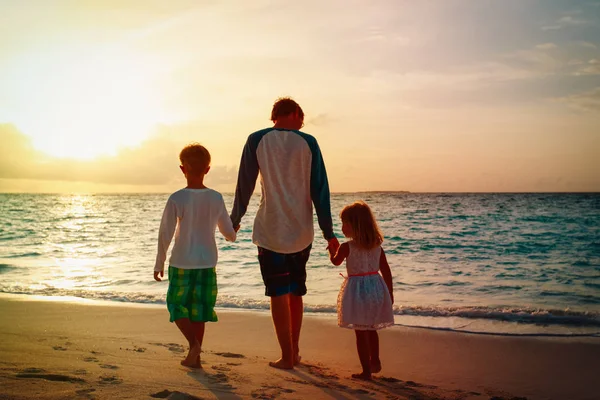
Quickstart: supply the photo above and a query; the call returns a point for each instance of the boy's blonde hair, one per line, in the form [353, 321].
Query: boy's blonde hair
[365, 230]
[195, 158]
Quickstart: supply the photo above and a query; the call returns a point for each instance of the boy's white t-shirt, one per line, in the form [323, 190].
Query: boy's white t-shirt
[193, 215]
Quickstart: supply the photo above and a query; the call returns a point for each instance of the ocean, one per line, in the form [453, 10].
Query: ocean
[508, 264]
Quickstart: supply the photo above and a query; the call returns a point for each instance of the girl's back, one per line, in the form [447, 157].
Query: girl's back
[361, 260]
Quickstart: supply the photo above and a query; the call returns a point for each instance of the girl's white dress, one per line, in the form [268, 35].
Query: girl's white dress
[364, 302]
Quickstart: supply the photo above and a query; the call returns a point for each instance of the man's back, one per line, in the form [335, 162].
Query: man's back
[292, 178]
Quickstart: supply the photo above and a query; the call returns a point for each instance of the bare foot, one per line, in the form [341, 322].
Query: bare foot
[281, 364]
[192, 359]
[297, 359]
[375, 367]
[362, 376]
[197, 364]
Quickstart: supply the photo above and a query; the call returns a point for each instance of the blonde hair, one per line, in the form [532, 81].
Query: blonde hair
[195, 158]
[365, 230]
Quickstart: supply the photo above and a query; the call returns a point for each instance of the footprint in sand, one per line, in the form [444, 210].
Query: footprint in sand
[172, 347]
[221, 368]
[110, 380]
[108, 366]
[91, 359]
[231, 355]
[59, 348]
[174, 395]
[37, 373]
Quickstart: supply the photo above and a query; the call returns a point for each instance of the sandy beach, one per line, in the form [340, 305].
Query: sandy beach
[92, 350]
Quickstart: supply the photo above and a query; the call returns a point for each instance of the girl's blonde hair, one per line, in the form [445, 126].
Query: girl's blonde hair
[365, 230]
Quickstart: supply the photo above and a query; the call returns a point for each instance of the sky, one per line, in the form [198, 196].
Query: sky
[423, 96]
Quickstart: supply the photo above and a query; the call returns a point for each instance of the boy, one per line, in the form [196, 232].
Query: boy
[195, 211]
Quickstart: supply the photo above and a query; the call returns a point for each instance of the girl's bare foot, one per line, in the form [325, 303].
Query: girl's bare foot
[362, 376]
[376, 367]
[281, 364]
[193, 358]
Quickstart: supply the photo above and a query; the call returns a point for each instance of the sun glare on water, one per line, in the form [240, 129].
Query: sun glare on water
[94, 106]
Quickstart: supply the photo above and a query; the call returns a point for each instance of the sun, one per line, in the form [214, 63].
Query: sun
[89, 107]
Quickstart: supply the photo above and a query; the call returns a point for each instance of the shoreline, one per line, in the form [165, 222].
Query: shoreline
[74, 350]
[478, 326]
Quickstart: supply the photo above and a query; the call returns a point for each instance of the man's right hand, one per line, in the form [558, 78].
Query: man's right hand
[156, 273]
[333, 245]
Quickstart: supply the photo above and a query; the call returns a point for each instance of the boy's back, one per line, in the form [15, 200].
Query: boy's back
[192, 216]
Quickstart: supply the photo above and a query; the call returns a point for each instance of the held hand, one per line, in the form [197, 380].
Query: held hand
[333, 245]
[236, 228]
[157, 273]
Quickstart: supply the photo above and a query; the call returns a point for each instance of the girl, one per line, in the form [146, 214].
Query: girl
[365, 299]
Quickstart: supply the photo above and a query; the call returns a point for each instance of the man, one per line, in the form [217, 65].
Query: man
[293, 178]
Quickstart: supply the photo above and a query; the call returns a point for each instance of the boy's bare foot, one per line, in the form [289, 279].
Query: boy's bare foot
[362, 376]
[375, 367]
[197, 364]
[193, 358]
[281, 364]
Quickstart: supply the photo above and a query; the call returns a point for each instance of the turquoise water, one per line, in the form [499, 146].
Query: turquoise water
[459, 261]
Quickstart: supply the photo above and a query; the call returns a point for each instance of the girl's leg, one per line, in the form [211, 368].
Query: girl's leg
[362, 345]
[374, 350]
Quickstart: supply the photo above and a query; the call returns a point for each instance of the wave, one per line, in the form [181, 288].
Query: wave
[522, 315]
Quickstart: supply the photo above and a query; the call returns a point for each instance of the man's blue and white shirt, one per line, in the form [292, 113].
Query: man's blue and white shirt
[292, 178]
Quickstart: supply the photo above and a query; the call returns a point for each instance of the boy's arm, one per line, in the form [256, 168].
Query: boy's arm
[224, 223]
[168, 224]
[384, 267]
[338, 257]
[246, 182]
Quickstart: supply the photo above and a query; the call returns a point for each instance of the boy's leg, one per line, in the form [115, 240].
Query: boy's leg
[374, 350]
[362, 345]
[178, 298]
[296, 312]
[280, 312]
[185, 326]
[198, 329]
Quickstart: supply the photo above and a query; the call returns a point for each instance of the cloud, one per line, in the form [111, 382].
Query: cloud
[586, 101]
[154, 163]
[322, 119]
[546, 46]
[564, 22]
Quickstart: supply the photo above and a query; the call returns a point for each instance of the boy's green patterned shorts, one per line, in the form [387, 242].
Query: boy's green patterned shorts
[192, 294]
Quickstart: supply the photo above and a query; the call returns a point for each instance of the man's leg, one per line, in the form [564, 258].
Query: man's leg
[280, 312]
[296, 312]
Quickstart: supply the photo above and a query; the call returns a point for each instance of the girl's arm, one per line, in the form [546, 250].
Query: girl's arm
[384, 267]
[341, 254]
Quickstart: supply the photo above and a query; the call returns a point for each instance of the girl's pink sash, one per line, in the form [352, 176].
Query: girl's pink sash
[363, 274]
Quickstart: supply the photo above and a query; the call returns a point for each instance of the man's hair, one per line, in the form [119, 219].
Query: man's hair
[365, 231]
[285, 106]
[195, 158]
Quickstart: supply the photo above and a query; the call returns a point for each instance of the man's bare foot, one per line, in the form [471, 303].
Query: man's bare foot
[281, 364]
[375, 367]
[193, 358]
[297, 359]
[362, 376]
